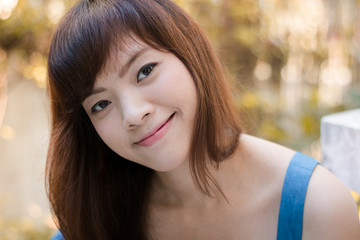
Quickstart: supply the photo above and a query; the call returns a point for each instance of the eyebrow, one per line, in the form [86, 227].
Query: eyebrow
[124, 69]
[96, 91]
[93, 92]
[132, 59]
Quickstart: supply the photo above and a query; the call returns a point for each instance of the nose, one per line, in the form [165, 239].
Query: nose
[135, 110]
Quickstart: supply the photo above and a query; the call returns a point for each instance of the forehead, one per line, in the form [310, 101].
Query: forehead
[121, 51]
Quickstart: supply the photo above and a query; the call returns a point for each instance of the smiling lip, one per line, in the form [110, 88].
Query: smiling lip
[157, 134]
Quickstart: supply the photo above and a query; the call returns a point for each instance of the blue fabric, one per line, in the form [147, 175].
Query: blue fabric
[293, 197]
[58, 236]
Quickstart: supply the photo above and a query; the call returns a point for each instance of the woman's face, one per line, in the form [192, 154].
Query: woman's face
[143, 106]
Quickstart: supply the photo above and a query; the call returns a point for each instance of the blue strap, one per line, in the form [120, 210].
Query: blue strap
[58, 236]
[293, 197]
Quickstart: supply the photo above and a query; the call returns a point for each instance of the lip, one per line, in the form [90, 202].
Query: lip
[156, 134]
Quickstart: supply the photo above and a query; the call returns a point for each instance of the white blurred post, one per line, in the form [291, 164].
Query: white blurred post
[340, 142]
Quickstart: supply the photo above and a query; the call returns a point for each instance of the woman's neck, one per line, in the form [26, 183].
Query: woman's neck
[177, 188]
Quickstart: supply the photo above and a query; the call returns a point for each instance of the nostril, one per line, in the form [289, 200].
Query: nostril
[145, 115]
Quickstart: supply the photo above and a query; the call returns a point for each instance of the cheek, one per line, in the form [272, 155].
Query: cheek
[112, 136]
[177, 87]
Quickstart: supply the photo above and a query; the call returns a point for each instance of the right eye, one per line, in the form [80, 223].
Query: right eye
[100, 106]
[145, 71]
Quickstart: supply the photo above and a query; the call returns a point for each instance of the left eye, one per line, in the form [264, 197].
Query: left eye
[99, 106]
[145, 71]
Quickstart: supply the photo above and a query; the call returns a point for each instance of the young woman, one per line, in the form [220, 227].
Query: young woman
[146, 142]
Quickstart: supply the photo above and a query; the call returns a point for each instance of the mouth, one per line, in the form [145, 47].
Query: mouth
[156, 134]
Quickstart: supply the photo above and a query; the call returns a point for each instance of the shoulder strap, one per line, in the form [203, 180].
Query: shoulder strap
[58, 236]
[293, 197]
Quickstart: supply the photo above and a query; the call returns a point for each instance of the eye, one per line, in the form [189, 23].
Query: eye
[145, 71]
[100, 106]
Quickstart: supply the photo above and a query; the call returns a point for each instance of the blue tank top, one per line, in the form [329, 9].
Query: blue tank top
[293, 197]
[58, 236]
[292, 202]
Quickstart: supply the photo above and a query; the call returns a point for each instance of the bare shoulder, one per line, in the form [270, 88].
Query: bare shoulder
[330, 211]
[268, 161]
[266, 152]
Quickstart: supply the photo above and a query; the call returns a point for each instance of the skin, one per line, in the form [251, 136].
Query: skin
[128, 105]
[141, 103]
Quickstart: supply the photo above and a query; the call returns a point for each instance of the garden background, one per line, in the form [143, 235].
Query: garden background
[293, 61]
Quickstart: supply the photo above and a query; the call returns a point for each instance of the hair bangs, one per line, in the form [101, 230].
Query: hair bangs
[83, 45]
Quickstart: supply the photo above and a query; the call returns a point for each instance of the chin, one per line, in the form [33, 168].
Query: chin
[169, 166]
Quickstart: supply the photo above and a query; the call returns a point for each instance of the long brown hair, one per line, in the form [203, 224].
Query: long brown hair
[95, 193]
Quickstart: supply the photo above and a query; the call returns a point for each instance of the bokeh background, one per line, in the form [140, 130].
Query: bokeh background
[294, 62]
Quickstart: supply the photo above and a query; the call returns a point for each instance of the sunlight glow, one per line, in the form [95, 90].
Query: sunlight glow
[6, 7]
[7, 132]
[36, 69]
[302, 20]
[55, 10]
[263, 71]
[35, 211]
[50, 222]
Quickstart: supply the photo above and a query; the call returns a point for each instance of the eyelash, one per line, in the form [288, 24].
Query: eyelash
[94, 110]
[141, 71]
